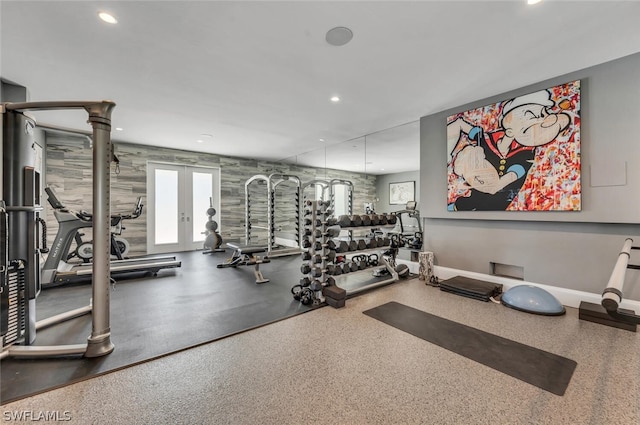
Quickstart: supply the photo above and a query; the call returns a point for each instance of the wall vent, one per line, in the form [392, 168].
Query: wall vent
[507, 270]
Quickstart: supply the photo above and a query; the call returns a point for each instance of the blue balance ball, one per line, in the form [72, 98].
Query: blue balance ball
[532, 299]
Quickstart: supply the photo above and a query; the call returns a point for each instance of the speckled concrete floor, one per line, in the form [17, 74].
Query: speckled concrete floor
[341, 367]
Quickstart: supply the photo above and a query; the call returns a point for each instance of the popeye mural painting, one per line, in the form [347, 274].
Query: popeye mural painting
[522, 154]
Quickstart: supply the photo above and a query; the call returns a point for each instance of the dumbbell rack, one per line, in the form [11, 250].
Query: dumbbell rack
[382, 262]
[317, 244]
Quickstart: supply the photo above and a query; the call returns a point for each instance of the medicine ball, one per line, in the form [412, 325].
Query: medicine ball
[402, 270]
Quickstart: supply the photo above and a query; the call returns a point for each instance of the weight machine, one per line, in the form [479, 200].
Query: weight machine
[272, 182]
[332, 194]
[324, 184]
[20, 270]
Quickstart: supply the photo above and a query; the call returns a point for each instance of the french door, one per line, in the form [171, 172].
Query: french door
[178, 198]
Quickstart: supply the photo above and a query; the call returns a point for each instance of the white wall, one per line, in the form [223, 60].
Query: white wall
[382, 189]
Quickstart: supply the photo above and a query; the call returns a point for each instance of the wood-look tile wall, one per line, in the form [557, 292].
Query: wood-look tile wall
[69, 172]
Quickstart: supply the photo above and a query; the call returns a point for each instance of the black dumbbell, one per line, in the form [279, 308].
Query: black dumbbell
[372, 243]
[344, 221]
[362, 244]
[305, 281]
[306, 256]
[353, 245]
[391, 219]
[356, 220]
[305, 268]
[343, 246]
[332, 231]
[375, 219]
[317, 258]
[366, 219]
[309, 222]
[316, 285]
[386, 241]
[353, 266]
[316, 272]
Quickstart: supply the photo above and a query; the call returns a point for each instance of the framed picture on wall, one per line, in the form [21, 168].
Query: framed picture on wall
[520, 154]
[401, 193]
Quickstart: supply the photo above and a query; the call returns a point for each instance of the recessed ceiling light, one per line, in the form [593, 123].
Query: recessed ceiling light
[339, 36]
[205, 137]
[119, 128]
[335, 99]
[533, 1]
[322, 140]
[107, 17]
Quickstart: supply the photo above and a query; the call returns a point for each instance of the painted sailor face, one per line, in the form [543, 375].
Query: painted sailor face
[530, 121]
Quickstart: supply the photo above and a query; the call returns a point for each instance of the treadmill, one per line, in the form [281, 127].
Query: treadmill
[56, 271]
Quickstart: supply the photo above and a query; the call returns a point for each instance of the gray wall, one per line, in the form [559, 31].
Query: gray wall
[575, 250]
[69, 171]
[382, 189]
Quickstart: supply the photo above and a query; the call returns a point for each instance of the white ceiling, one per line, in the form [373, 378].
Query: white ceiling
[258, 75]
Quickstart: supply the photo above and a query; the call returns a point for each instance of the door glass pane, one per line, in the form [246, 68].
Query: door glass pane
[202, 191]
[166, 206]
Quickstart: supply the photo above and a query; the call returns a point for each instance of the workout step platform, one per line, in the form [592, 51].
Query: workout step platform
[334, 296]
[598, 314]
[471, 288]
[334, 292]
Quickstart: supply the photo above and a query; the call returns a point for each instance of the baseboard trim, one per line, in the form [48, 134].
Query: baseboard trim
[567, 297]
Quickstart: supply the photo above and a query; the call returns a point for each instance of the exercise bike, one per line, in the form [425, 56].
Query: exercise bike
[56, 270]
[119, 245]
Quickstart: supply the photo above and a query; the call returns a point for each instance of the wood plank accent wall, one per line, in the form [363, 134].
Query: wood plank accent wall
[69, 172]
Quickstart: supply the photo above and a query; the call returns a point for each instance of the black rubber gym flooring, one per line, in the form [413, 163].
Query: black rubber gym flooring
[537, 367]
[155, 316]
[151, 317]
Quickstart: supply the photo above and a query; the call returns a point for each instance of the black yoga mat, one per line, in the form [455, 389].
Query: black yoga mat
[545, 370]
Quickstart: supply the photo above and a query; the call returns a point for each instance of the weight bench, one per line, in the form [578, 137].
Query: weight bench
[244, 255]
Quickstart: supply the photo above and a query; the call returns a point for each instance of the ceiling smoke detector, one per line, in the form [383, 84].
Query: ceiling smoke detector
[339, 36]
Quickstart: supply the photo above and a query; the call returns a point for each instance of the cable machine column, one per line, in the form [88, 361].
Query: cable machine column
[99, 343]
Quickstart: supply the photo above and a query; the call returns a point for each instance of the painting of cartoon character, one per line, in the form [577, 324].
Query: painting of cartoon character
[522, 154]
